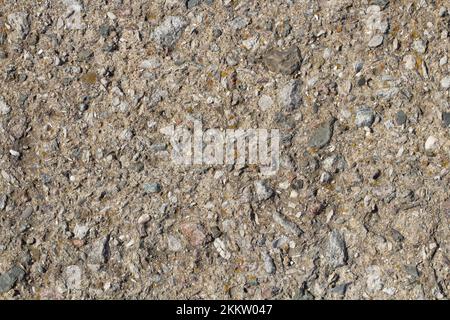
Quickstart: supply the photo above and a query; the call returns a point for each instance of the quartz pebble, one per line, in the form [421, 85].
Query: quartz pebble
[431, 144]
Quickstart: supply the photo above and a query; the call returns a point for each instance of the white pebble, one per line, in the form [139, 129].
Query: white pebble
[431, 144]
[144, 218]
[14, 153]
[445, 82]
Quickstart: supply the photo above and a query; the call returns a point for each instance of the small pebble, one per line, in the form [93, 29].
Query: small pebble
[152, 187]
[376, 41]
[9, 279]
[143, 219]
[446, 119]
[431, 144]
[322, 135]
[265, 102]
[445, 82]
[364, 117]
[263, 192]
[400, 118]
[285, 62]
[4, 108]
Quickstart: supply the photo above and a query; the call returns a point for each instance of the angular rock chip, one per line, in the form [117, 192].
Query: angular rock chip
[3, 200]
[285, 62]
[364, 117]
[169, 31]
[269, 265]
[322, 135]
[10, 278]
[99, 253]
[288, 225]
[446, 119]
[193, 233]
[289, 96]
[20, 23]
[222, 249]
[152, 187]
[445, 82]
[263, 192]
[336, 253]
[376, 41]
[4, 108]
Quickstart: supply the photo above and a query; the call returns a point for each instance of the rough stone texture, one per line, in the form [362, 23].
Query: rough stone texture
[169, 31]
[289, 96]
[321, 136]
[336, 250]
[99, 252]
[287, 225]
[284, 61]
[263, 191]
[10, 278]
[376, 41]
[93, 207]
[4, 108]
[364, 117]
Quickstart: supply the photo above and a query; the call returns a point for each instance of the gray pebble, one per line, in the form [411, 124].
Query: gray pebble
[20, 23]
[285, 62]
[361, 81]
[173, 243]
[289, 96]
[446, 119]
[269, 265]
[288, 225]
[99, 252]
[325, 177]
[376, 41]
[239, 23]
[412, 271]
[27, 212]
[3, 37]
[83, 107]
[381, 3]
[397, 236]
[216, 33]
[169, 31]
[10, 278]
[340, 289]
[153, 187]
[3, 200]
[364, 117]
[80, 231]
[336, 253]
[400, 118]
[192, 3]
[85, 55]
[104, 30]
[358, 66]
[322, 135]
